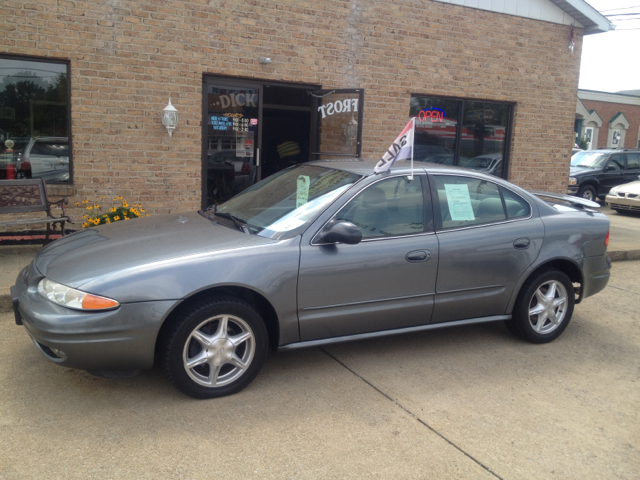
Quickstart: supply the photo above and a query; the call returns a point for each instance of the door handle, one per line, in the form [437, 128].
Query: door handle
[521, 243]
[418, 256]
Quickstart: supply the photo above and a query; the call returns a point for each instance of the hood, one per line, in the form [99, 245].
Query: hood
[632, 188]
[578, 171]
[93, 252]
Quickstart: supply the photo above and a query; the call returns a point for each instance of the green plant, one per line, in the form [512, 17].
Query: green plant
[96, 216]
[584, 143]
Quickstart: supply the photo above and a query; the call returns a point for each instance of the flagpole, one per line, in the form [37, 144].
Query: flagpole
[413, 126]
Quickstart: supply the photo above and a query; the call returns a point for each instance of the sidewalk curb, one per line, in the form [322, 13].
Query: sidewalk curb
[617, 256]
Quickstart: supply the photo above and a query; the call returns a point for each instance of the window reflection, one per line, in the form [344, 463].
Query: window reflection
[34, 120]
[436, 124]
[480, 139]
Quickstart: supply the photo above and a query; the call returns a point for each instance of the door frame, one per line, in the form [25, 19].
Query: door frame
[239, 82]
[315, 132]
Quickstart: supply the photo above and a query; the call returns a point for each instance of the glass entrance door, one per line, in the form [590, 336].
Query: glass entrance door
[232, 135]
[336, 125]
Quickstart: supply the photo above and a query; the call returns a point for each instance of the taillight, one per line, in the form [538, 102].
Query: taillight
[25, 165]
[606, 239]
[245, 170]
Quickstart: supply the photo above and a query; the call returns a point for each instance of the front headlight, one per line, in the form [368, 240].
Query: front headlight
[613, 191]
[572, 180]
[72, 298]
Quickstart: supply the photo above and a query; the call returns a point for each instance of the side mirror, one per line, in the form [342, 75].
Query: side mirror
[339, 232]
[610, 167]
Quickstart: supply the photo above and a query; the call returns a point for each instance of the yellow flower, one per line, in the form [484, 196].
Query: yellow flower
[120, 197]
[116, 218]
[147, 215]
[142, 210]
[125, 204]
[85, 216]
[115, 199]
[85, 201]
[77, 203]
[112, 209]
[126, 218]
[89, 208]
[108, 221]
[85, 225]
[101, 197]
[96, 206]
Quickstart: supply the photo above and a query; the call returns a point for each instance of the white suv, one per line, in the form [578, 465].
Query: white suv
[45, 157]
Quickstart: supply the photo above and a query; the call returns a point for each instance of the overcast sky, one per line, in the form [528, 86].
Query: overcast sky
[610, 61]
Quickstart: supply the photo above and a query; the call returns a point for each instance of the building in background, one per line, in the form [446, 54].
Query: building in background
[491, 84]
[608, 120]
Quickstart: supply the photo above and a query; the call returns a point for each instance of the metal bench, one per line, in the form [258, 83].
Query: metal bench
[26, 196]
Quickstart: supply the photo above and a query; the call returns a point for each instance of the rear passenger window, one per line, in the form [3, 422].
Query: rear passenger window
[52, 149]
[391, 207]
[465, 201]
[516, 206]
[633, 161]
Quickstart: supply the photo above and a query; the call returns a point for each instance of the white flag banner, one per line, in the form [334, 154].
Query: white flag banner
[401, 149]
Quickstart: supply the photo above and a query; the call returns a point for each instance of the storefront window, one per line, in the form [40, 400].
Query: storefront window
[466, 133]
[34, 120]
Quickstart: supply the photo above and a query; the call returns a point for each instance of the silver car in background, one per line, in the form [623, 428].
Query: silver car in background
[45, 157]
[624, 198]
[319, 253]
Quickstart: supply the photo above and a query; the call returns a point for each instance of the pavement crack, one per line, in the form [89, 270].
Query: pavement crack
[415, 417]
[623, 290]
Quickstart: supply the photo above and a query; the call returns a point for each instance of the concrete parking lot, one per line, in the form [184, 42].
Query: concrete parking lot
[470, 402]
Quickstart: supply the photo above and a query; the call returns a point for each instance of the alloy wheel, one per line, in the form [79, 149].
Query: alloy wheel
[219, 351]
[547, 307]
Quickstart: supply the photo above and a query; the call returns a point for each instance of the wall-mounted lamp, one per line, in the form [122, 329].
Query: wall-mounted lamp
[264, 60]
[170, 118]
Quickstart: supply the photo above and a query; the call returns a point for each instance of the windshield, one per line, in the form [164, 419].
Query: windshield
[588, 160]
[285, 203]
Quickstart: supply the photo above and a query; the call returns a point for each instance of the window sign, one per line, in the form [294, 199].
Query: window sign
[459, 201]
[244, 144]
[302, 193]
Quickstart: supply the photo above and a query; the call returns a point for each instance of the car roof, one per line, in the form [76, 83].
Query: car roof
[364, 166]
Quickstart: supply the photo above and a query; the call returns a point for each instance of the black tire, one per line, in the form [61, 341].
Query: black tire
[588, 193]
[540, 328]
[218, 352]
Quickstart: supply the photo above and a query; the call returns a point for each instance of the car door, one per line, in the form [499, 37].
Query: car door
[384, 282]
[488, 235]
[613, 173]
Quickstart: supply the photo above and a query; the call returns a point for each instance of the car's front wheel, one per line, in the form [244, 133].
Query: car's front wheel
[544, 307]
[216, 348]
[588, 193]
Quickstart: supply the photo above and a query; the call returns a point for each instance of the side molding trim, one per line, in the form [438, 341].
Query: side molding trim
[398, 331]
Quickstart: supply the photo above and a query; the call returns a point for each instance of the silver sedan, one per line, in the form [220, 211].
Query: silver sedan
[319, 253]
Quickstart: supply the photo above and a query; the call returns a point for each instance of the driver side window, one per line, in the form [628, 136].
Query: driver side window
[392, 207]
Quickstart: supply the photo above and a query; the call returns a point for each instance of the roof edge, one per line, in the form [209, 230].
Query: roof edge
[592, 19]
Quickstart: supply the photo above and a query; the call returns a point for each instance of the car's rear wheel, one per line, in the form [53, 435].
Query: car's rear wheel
[544, 307]
[587, 192]
[216, 348]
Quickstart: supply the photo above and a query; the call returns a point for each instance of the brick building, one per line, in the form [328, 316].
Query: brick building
[608, 120]
[261, 84]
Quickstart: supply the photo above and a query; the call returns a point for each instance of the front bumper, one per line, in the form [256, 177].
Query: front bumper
[623, 203]
[120, 339]
[573, 189]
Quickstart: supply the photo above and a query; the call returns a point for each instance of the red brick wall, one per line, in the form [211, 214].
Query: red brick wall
[607, 110]
[128, 57]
